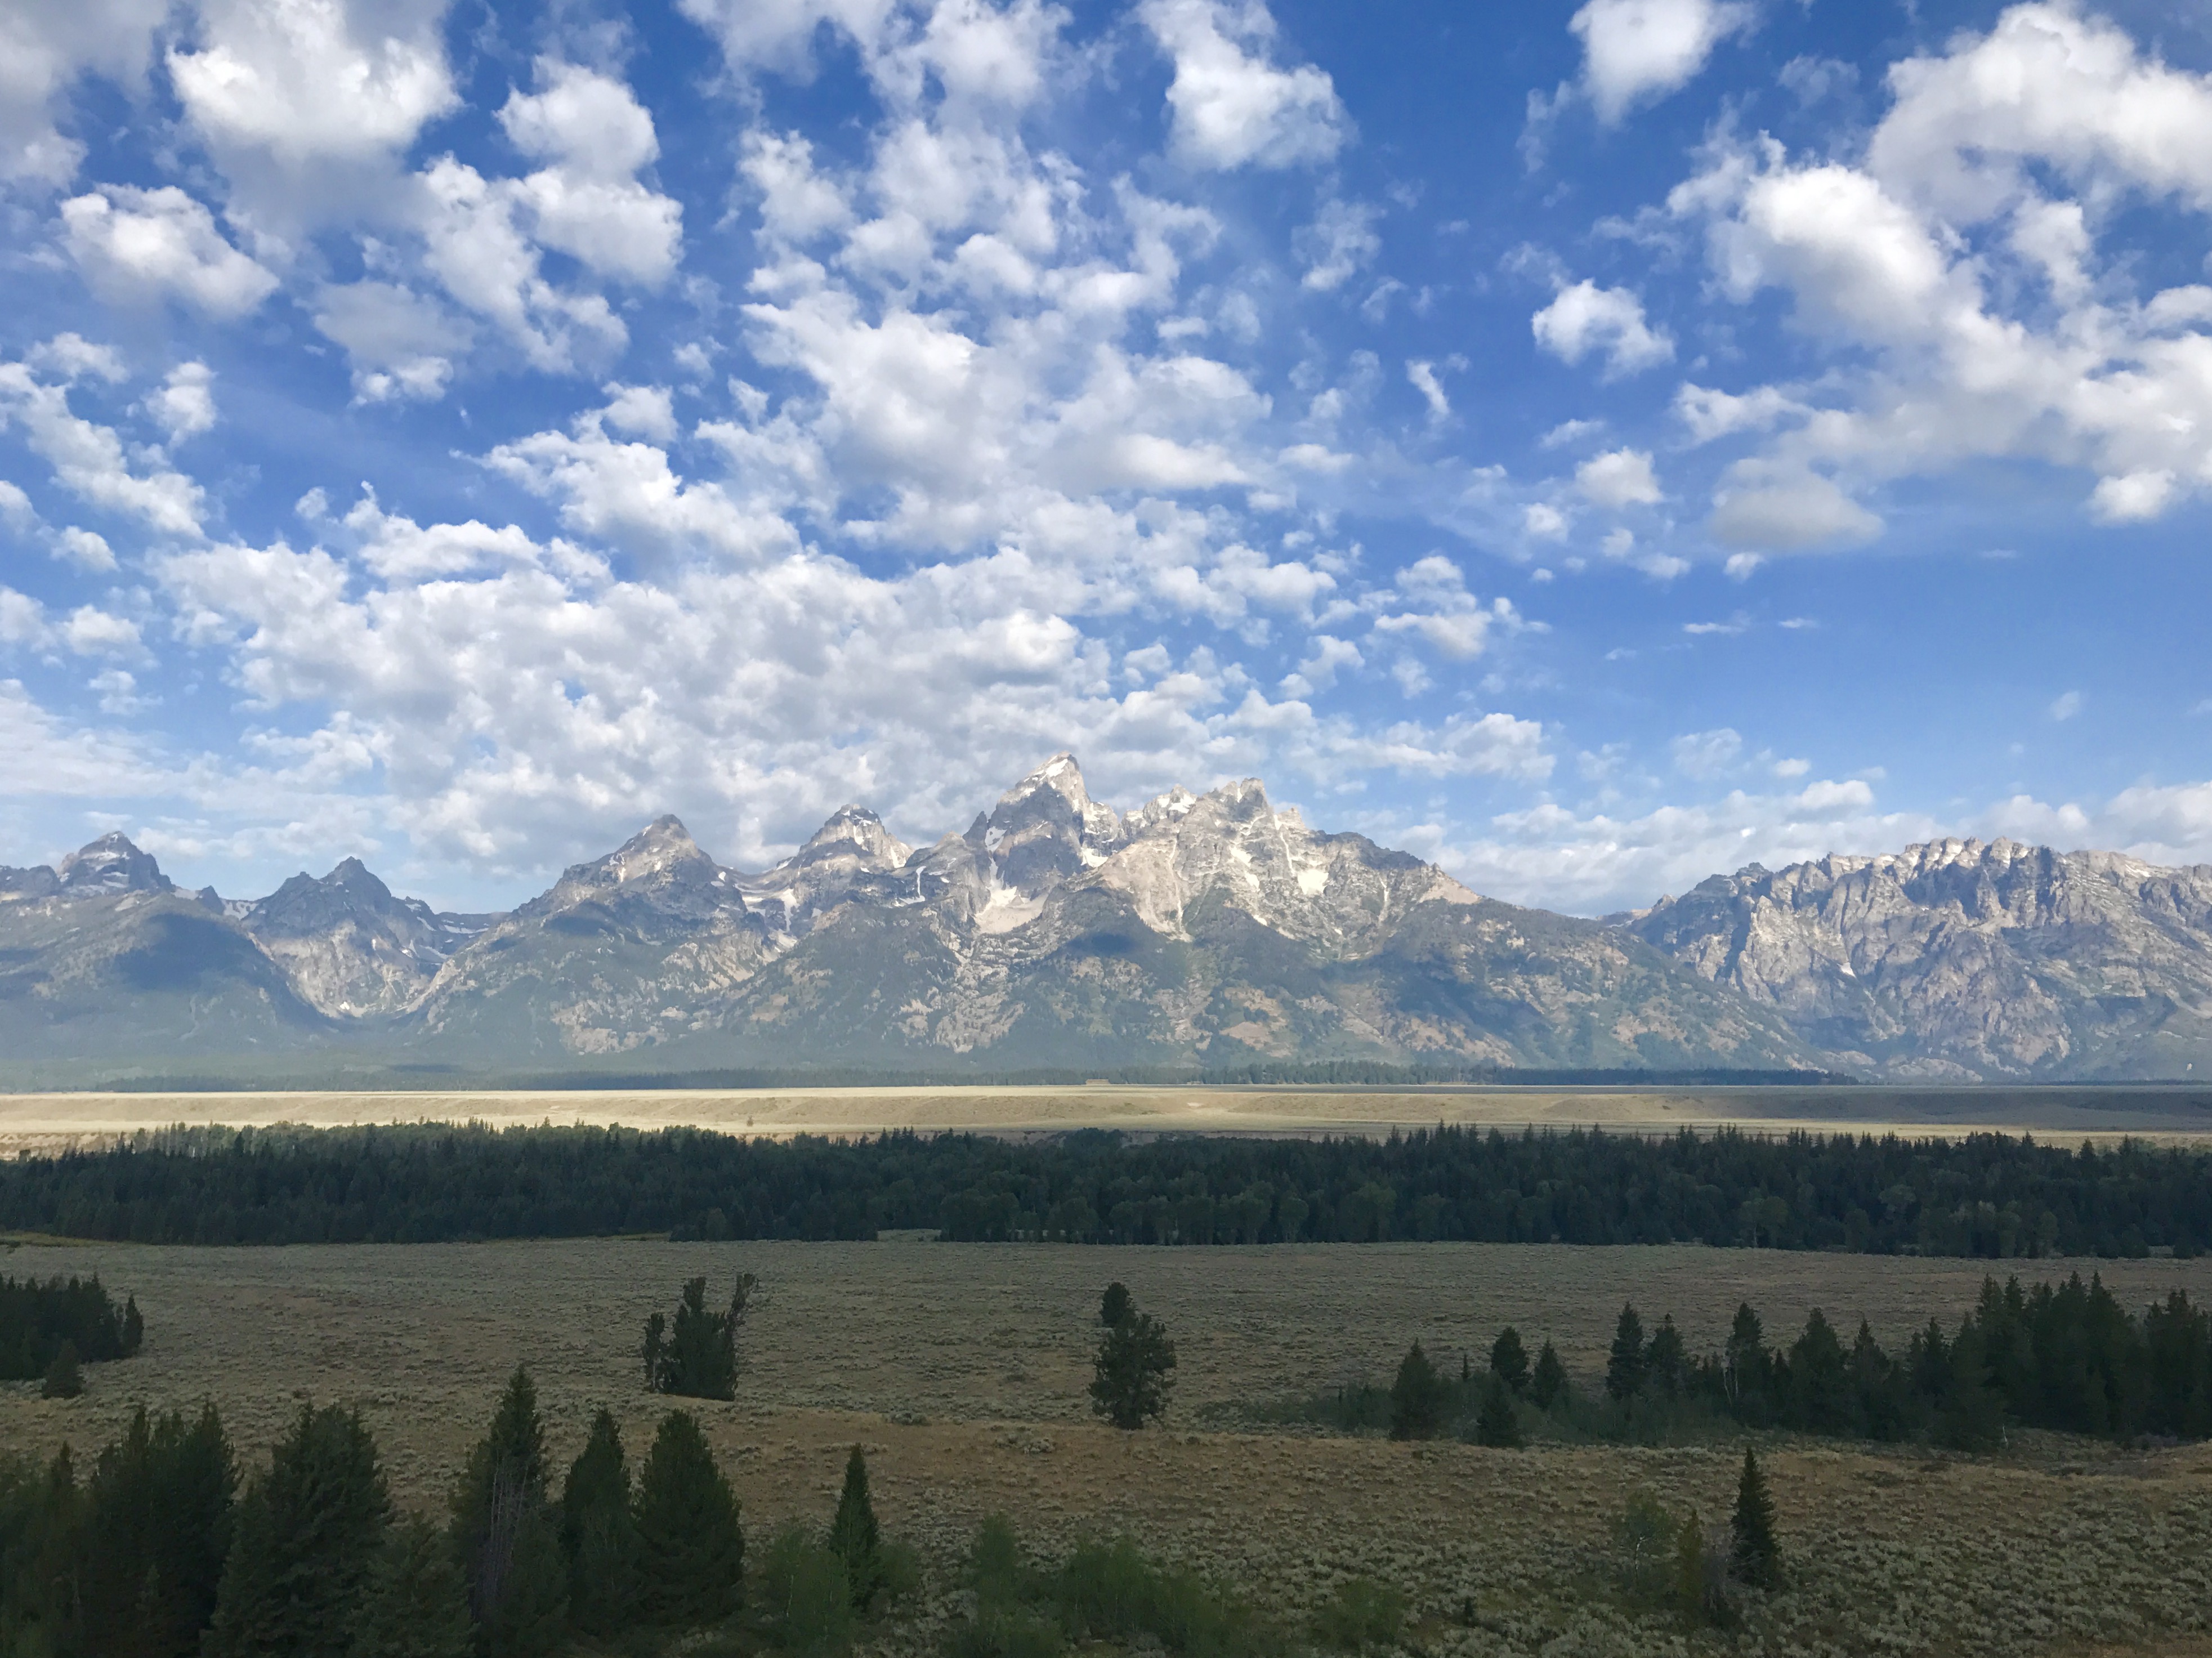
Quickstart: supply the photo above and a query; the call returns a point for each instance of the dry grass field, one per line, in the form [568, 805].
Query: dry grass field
[961, 1369]
[47, 1122]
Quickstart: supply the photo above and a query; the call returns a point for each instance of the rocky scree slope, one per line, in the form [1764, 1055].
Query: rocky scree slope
[1960, 960]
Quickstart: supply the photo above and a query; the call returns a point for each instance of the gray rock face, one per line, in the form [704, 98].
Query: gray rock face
[349, 946]
[852, 853]
[109, 865]
[1960, 959]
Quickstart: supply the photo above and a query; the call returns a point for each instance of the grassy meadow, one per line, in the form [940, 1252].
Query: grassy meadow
[960, 1369]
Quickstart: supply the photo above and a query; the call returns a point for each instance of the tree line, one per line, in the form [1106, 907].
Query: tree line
[159, 1551]
[1989, 1195]
[2065, 1357]
[47, 1329]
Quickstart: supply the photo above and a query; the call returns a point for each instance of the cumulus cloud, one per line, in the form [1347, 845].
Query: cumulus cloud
[1636, 50]
[1232, 106]
[589, 203]
[44, 49]
[1618, 478]
[141, 244]
[89, 459]
[184, 404]
[400, 344]
[1585, 318]
[1974, 314]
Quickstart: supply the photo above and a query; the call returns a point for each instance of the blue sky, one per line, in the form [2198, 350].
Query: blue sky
[1592, 447]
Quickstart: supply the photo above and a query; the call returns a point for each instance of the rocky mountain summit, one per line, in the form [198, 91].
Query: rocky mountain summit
[1960, 960]
[1209, 928]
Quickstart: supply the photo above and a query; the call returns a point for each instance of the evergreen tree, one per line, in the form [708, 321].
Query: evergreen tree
[1133, 1371]
[1820, 1379]
[415, 1605]
[697, 1357]
[63, 1380]
[599, 1533]
[1665, 1364]
[1417, 1398]
[157, 1526]
[503, 1534]
[42, 1563]
[1625, 1364]
[1508, 1360]
[1690, 1590]
[1753, 1554]
[1116, 1305]
[1497, 1423]
[1547, 1382]
[1972, 1417]
[304, 1543]
[855, 1538]
[692, 1550]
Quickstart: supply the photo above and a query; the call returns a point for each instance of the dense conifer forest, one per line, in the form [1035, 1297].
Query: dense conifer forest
[1986, 1195]
[37, 1320]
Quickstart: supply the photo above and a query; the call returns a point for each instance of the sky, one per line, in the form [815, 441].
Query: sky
[1592, 447]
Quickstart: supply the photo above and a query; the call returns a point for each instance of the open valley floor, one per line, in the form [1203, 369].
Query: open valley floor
[961, 1369]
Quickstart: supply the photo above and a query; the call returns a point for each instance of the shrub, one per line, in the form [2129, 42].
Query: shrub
[1362, 1614]
[806, 1593]
[1645, 1547]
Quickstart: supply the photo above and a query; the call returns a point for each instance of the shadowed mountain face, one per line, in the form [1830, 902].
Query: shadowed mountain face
[1961, 960]
[1207, 928]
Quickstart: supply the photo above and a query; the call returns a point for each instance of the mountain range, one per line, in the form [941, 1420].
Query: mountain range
[1208, 930]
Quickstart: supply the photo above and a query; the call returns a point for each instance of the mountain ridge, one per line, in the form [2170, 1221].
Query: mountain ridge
[1193, 929]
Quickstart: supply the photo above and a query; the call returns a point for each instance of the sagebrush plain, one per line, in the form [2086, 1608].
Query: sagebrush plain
[960, 1369]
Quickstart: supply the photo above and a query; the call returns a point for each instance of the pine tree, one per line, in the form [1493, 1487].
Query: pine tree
[1745, 1361]
[158, 1524]
[1972, 1414]
[1417, 1397]
[1133, 1371]
[1497, 1423]
[697, 1357]
[854, 1537]
[1116, 1305]
[1548, 1381]
[505, 1539]
[599, 1533]
[1665, 1364]
[692, 1548]
[1508, 1360]
[415, 1606]
[1624, 1365]
[1753, 1554]
[1690, 1589]
[304, 1541]
[64, 1380]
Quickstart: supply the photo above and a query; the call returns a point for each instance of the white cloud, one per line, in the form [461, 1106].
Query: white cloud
[85, 549]
[1636, 50]
[1706, 754]
[44, 49]
[1232, 106]
[589, 203]
[1974, 314]
[1787, 769]
[185, 404]
[91, 631]
[89, 459]
[1340, 242]
[1546, 523]
[1423, 377]
[401, 344]
[1585, 318]
[1618, 478]
[22, 622]
[2066, 705]
[142, 244]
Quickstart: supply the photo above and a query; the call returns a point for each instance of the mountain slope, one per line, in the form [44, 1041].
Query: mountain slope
[1962, 959]
[349, 947]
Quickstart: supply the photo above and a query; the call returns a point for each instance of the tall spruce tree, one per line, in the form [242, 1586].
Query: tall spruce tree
[599, 1534]
[304, 1542]
[1497, 1424]
[1753, 1554]
[157, 1527]
[1547, 1382]
[1116, 1305]
[1508, 1360]
[1417, 1398]
[854, 1537]
[415, 1605]
[1625, 1363]
[692, 1548]
[504, 1536]
[1133, 1371]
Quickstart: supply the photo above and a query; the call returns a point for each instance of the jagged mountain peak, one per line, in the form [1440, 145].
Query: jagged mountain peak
[1047, 830]
[111, 863]
[855, 832]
